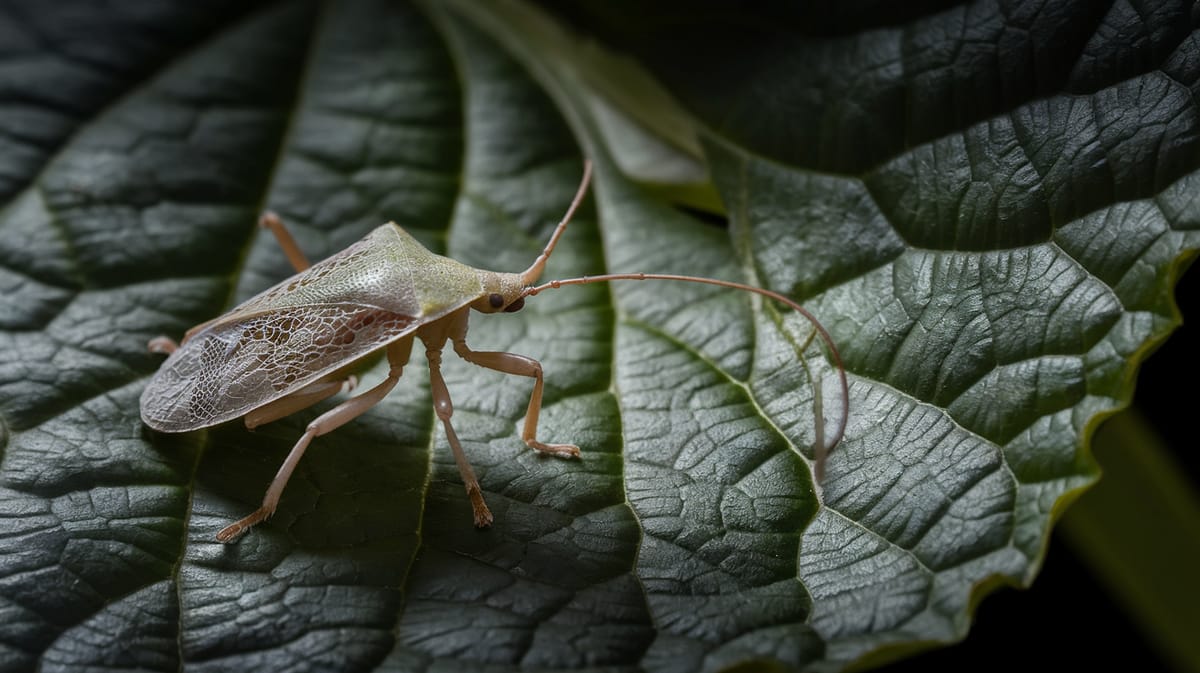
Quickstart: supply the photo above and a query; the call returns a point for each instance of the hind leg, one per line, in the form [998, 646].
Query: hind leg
[325, 423]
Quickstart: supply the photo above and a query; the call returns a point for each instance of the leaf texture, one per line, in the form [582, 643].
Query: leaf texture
[985, 204]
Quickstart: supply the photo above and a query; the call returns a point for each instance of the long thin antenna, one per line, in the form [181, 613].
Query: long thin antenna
[531, 275]
[820, 449]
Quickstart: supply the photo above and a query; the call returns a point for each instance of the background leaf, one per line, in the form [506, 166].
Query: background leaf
[989, 225]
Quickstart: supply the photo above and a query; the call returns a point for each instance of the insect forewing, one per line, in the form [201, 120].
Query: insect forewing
[306, 327]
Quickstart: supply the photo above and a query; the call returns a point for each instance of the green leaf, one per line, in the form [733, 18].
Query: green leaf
[991, 242]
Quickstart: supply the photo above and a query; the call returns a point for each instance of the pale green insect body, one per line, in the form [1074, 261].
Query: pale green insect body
[299, 342]
[309, 326]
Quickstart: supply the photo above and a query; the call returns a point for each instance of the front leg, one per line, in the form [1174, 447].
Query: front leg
[511, 363]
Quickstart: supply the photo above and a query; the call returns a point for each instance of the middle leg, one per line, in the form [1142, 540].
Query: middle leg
[444, 409]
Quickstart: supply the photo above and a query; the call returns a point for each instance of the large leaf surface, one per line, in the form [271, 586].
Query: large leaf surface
[991, 272]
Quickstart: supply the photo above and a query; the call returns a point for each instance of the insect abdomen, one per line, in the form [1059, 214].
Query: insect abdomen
[234, 367]
[306, 327]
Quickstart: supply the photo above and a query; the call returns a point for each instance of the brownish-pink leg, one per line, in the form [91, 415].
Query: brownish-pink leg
[295, 255]
[326, 422]
[511, 363]
[301, 399]
[267, 220]
[162, 344]
[444, 409]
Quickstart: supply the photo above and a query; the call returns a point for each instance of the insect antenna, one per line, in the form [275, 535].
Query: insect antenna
[821, 449]
[531, 275]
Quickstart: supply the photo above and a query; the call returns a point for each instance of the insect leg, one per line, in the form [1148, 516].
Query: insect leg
[162, 344]
[445, 409]
[301, 399]
[271, 221]
[327, 422]
[268, 220]
[511, 363]
[166, 345]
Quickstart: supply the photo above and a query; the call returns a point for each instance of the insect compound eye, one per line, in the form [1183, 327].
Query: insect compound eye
[515, 306]
[496, 300]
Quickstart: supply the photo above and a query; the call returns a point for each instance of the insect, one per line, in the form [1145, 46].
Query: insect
[301, 341]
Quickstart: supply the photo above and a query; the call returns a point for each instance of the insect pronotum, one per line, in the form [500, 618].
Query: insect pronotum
[301, 341]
